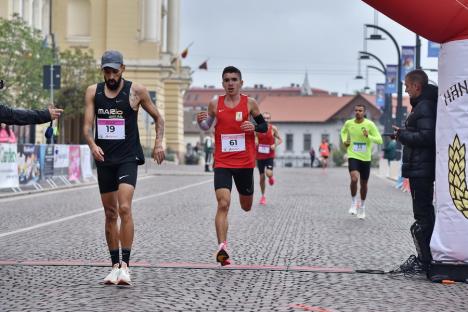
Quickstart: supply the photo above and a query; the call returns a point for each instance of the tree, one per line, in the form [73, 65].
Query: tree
[79, 70]
[23, 53]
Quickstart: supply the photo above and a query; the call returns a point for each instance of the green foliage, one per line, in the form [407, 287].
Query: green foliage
[338, 155]
[22, 55]
[79, 70]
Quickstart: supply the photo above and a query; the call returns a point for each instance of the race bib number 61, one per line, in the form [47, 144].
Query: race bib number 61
[232, 143]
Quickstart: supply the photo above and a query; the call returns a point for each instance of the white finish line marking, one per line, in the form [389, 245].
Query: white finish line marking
[98, 210]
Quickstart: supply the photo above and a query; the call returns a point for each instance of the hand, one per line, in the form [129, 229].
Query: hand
[158, 154]
[247, 126]
[395, 128]
[347, 143]
[273, 147]
[202, 116]
[365, 132]
[97, 152]
[55, 112]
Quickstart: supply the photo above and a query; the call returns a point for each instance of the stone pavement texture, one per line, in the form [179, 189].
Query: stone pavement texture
[297, 253]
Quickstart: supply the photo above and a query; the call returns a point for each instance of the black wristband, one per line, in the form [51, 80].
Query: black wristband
[261, 125]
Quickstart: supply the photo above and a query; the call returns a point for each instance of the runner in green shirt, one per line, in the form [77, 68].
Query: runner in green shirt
[358, 135]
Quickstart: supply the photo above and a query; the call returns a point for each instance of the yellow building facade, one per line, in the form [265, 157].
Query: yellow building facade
[145, 31]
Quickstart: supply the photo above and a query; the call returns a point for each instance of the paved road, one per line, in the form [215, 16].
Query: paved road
[298, 253]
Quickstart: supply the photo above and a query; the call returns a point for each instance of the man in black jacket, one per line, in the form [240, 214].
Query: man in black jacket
[12, 116]
[418, 140]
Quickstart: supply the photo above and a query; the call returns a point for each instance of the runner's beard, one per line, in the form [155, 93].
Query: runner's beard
[112, 84]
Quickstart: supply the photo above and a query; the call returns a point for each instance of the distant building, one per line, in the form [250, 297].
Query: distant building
[304, 121]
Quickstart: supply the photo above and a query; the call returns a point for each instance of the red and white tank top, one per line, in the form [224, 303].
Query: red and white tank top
[265, 141]
[234, 148]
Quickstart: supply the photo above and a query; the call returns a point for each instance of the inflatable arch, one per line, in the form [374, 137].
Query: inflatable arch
[445, 22]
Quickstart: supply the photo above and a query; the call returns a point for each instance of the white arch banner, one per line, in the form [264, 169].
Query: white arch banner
[450, 237]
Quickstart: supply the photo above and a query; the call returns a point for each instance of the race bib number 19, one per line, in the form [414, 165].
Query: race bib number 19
[111, 129]
[232, 143]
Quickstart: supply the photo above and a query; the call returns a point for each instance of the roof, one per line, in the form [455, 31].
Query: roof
[303, 108]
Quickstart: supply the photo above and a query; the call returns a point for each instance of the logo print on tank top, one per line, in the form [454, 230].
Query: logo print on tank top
[238, 116]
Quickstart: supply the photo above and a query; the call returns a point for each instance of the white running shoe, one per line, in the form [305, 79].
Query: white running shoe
[112, 277]
[361, 212]
[124, 277]
[353, 208]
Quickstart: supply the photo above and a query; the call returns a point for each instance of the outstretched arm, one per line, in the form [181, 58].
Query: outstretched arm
[12, 116]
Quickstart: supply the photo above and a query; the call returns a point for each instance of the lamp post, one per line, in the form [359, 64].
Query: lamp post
[386, 118]
[399, 109]
[363, 55]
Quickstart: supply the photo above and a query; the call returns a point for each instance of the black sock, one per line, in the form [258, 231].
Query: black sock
[115, 258]
[126, 256]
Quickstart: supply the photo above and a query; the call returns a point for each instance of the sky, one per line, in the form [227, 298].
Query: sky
[275, 42]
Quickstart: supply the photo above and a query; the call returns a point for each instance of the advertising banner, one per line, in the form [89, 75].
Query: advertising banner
[29, 168]
[61, 160]
[380, 95]
[408, 60]
[85, 157]
[392, 72]
[449, 240]
[47, 161]
[8, 166]
[74, 163]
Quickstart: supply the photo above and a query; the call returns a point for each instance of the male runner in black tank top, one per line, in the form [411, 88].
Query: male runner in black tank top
[112, 109]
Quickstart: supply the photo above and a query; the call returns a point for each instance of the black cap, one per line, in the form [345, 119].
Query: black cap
[112, 59]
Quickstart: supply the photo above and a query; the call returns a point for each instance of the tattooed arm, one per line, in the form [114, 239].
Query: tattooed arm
[139, 94]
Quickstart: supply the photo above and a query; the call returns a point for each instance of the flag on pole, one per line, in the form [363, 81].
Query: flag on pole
[184, 53]
[204, 65]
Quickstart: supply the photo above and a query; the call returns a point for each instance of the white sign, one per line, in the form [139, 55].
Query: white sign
[61, 156]
[8, 166]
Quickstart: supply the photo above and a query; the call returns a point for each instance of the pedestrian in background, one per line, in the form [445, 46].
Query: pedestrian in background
[7, 135]
[312, 157]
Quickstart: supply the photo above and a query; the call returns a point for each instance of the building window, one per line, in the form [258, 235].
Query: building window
[289, 142]
[307, 142]
[78, 20]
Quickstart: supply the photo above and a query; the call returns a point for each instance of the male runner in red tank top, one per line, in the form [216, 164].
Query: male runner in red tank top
[267, 143]
[234, 149]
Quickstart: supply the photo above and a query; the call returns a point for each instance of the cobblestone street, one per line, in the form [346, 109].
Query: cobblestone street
[297, 253]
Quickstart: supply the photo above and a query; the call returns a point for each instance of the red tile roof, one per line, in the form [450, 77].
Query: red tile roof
[303, 108]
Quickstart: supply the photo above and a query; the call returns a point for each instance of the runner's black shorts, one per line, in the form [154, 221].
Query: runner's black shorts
[109, 177]
[359, 165]
[243, 177]
[265, 163]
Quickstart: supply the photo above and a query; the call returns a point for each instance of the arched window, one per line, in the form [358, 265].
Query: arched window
[78, 19]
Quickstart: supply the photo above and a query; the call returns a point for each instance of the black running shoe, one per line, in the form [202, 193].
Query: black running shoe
[411, 266]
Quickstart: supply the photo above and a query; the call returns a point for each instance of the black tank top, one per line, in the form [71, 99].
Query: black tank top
[116, 127]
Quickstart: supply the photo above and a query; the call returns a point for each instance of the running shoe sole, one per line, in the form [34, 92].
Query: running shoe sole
[222, 257]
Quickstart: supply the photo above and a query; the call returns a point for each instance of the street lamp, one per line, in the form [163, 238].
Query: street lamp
[363, 55]
[399, 112]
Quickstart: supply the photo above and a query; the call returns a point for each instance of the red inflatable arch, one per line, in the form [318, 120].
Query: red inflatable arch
[437, 20]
